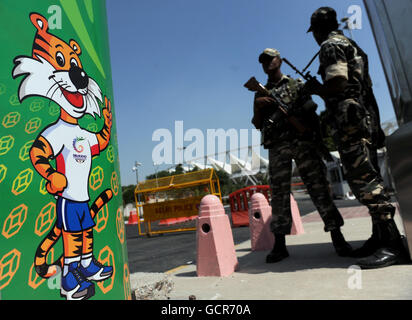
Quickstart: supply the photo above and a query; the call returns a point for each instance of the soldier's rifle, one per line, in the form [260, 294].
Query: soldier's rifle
[253, 85]
[307, 76]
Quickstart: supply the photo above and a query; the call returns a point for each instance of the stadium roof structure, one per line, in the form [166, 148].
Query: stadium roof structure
[235, 167]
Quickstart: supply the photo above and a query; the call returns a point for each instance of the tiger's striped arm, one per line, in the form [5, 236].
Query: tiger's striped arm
[40, 154]
[103, 137]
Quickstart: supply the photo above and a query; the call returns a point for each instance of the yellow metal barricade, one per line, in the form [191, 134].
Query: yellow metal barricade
[173, 197]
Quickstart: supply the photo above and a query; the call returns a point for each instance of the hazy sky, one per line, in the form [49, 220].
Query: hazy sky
[187, 60]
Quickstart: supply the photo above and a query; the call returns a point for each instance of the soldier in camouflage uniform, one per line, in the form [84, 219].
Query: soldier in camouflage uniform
[353, 115]
[286, 143]
[377, 136]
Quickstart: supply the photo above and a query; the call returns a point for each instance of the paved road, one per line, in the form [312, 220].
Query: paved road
[168, 251]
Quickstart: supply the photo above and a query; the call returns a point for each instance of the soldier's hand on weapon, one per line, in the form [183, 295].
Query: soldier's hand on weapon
[263, 102]
[313, 86]
[253, 85]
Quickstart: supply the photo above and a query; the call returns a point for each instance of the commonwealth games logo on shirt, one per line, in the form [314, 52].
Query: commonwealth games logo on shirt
[80, 158]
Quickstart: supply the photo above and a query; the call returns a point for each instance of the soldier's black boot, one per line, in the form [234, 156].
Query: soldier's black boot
[369, 247]
[279, 251]
[342, 248]
[391, 250]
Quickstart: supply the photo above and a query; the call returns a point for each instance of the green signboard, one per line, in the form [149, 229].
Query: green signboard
[61, 218]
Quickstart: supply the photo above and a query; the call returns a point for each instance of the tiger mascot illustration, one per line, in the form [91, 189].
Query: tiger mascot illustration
[55, 72]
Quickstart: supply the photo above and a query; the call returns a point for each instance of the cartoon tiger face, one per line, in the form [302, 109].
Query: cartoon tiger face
[55, 72]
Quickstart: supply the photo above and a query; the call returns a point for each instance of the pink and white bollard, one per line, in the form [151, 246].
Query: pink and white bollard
[297, 225]
[260, 215]
[216, 255]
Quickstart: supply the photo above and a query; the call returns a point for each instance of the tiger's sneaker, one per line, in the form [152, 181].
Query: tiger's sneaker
[96, 271]
[74, 286]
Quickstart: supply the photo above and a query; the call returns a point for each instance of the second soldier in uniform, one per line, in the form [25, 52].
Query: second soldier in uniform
[354, 118]
[286, 143]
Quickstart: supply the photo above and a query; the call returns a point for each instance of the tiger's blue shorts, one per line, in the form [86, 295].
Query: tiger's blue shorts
[73, 216]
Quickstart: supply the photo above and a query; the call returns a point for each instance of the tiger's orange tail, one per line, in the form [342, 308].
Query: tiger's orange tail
[45, 270]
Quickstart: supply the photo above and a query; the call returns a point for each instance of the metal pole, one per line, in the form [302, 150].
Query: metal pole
[136, 169]
[157, 184]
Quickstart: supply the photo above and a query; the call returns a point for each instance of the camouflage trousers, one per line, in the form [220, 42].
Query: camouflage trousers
[312, 170]
[351, 131]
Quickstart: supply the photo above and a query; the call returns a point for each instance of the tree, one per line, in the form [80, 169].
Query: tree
[227, 186]
[179, 169]
[160, 174]
[128, 194]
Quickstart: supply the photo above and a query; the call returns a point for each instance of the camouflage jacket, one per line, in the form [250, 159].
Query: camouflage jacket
[341, 56]
[300, 105]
